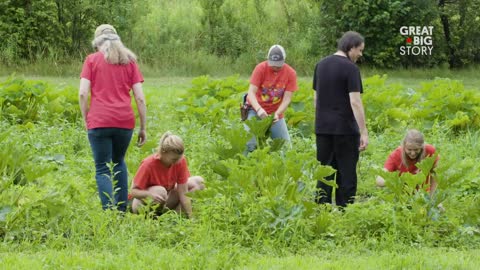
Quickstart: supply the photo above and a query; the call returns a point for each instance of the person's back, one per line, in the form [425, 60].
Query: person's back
[110, 104]
[335, 76]
[107, 77]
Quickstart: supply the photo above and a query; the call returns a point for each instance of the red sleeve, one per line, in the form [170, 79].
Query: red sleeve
[183, 173]
[394, 160]
[87, 69]
[136, 74]
[292, 81]
[430, 149]
[258, 75]
[143, 175]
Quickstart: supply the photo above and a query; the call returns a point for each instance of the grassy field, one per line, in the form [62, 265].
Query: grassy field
[167, 259]
[72, 232]
[409, 77]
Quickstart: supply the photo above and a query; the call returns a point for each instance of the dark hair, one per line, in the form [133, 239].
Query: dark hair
[350, 39]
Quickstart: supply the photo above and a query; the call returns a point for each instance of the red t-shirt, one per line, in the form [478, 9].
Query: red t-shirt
[394, 160]
[110, 103]
[272, 85]
[152, 172]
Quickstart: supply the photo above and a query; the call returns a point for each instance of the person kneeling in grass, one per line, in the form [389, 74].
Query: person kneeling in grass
[164, 177]
[405, 157]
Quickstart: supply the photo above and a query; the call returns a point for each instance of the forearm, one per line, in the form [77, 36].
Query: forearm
[433, 185]
[186, 205]
[359, 114]
[252, 99]
[83, 101]
[141, 105]
[139, 193]
[83, 93]
[287, 98]
[142, 112]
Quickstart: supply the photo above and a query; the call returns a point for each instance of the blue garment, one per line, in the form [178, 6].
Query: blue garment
[110, 145]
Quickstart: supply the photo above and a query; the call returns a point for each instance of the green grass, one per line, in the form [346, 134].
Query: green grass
[156, 257]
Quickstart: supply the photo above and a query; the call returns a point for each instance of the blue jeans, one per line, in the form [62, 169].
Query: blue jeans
[277, 130]
[110, 145]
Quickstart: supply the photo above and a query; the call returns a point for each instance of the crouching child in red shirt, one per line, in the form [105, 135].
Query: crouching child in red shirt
[164, 177]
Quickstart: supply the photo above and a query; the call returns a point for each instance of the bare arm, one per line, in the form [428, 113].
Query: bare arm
[287, 98]
[433, 181]
[252, 91]
[359, 113]
[83, 93]
[139, 193]
[379, 180]
[315, 100]
[185, 202]
[433, 184]
[142, 112]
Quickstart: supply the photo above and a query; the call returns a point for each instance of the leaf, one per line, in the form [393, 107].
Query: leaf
[220, 169]
[259, 129]
[427, 165]
[329, 182]
[323, 171]
[276, 144]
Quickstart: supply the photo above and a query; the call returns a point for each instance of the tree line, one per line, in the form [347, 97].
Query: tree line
[196, 34]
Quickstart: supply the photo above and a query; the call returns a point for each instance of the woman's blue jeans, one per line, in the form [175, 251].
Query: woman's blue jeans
[109, 145]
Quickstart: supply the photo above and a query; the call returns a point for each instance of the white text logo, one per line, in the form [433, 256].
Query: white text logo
[418, 40]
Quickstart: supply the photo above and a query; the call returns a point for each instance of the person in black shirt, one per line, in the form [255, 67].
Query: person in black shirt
[340, 127]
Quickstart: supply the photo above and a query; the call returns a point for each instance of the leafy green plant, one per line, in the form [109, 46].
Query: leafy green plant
[23, 101]
[441, 100]
[260, 204]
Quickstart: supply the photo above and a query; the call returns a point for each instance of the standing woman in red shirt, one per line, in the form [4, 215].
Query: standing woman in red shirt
[404, 158]
[108, 76]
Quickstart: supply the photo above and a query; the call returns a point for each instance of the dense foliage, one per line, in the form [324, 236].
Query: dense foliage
[262, 202]
[201, 36]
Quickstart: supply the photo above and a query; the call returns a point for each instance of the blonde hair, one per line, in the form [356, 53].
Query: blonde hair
[413, 136]
[108, 42]
[170, 143]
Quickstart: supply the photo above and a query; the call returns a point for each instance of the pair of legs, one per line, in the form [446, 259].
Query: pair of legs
[277, 130]
[110, 145]
[171, 199]
[340, 152]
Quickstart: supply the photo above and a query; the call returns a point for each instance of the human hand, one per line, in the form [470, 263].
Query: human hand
[85, 123]
[142, 137]
[262, 113]
[380, 181]
[363, 142]
[157, 197]
[276, 117]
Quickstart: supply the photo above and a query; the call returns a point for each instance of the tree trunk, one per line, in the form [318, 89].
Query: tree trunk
[446, 31]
